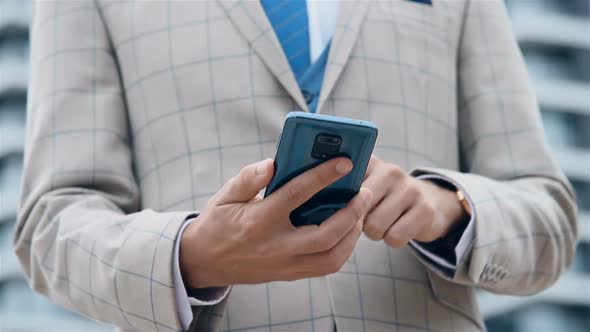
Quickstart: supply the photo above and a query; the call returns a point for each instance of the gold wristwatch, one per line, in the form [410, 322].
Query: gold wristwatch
[464, 202]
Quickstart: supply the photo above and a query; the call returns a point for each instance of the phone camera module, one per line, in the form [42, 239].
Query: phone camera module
[326, 146]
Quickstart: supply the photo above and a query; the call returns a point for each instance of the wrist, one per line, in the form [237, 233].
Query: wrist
[453, 211]
[194, 267]
[450, 209]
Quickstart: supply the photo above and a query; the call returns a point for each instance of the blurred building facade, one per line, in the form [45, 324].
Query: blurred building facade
[555, 38]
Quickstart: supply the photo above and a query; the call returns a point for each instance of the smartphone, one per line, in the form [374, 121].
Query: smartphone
[307, 140]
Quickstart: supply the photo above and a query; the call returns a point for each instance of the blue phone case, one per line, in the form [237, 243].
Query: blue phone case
[304, 145]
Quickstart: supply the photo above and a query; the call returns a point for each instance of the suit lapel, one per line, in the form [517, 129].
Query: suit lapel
[350, 19]
[251, 21]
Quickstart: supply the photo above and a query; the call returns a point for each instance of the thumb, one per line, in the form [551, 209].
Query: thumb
[246, 185]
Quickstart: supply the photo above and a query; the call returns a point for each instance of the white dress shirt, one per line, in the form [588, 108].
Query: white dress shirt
[322, 17]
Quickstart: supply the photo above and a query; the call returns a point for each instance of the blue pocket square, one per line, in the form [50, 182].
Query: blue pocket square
[426, 2]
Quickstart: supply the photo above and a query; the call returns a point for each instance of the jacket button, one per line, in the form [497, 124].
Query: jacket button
[492, 270]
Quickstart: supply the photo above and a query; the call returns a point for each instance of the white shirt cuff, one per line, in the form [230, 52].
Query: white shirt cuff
[464, 241]
[207, 296]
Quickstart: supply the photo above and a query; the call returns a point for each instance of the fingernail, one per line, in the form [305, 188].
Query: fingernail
[261, 167]
[343, 167]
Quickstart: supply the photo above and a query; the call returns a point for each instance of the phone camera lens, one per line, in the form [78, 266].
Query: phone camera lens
[329, 140]
[326, 146]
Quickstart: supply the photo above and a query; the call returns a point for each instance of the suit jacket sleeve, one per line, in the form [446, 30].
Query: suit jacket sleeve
[524, 208]
[82, 238]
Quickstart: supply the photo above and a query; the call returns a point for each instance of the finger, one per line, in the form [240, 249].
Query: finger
[383, 179]
[314, 239]
[371, 166]
[406, 228]
[380, 186]
[300, 189]
[331, 261]
[246, 185]
[386, 213]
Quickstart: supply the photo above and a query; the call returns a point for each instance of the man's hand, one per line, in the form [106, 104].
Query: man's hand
[405, 208]
[242, 239]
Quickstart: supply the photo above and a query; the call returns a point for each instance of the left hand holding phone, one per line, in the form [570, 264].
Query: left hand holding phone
[243, 239]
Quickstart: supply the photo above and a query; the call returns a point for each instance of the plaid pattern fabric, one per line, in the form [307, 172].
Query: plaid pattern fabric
[139, 110]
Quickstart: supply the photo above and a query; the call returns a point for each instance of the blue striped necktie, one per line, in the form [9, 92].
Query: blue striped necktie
[289, 20]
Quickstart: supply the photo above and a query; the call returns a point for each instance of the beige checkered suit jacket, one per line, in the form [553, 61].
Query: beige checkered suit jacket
[140, 110]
